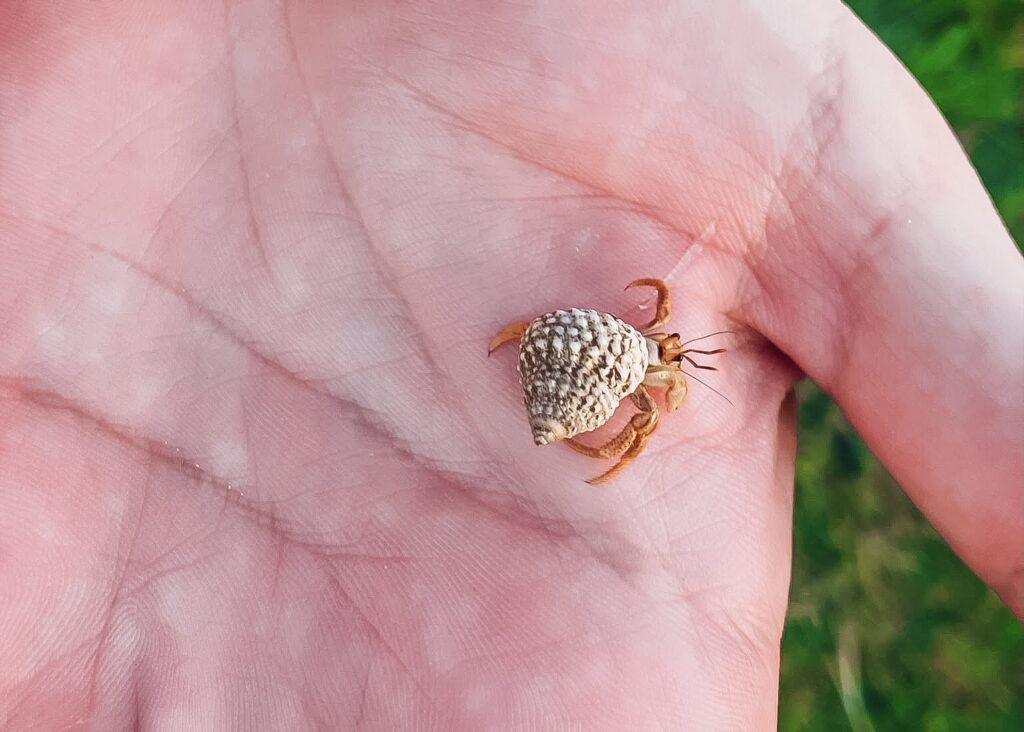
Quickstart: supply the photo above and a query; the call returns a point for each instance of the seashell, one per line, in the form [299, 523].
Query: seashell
[575, 367]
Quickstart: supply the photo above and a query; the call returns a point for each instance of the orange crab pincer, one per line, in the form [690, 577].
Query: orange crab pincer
[577, 365]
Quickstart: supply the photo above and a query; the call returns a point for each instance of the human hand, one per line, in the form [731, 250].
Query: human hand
[256, 469]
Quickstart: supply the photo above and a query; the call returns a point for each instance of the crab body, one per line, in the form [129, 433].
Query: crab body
[577, 365]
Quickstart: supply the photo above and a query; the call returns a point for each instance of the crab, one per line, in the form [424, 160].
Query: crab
[577, 365]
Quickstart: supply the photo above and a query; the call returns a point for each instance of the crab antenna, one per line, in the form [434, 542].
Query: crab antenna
[697, 378]
[706, 353]
[709, 335]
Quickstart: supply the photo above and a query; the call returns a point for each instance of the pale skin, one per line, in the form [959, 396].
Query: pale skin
[256, 469]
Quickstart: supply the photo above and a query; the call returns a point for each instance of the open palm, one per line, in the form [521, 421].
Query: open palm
[256, 469]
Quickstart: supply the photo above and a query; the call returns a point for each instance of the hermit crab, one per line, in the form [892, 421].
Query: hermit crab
[577, 365]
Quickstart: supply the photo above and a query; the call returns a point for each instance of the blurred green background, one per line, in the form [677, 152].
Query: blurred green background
[887, 629]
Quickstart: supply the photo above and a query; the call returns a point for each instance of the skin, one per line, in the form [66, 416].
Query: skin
[256, 469]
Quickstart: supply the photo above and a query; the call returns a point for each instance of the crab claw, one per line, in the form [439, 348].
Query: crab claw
[663, 310]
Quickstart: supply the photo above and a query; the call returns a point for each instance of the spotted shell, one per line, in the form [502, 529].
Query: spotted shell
[575, 367]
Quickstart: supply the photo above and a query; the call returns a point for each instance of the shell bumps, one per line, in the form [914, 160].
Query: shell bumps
[575, 367]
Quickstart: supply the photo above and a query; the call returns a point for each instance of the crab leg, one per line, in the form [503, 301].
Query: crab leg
[613, 448]
[642, 425]
[643, 421]
[627, 457]
[629, 442]
[663, 309]
[511, 332]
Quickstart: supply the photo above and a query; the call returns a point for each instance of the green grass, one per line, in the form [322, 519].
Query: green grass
[887, 629]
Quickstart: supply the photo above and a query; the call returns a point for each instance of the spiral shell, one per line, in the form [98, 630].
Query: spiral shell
[575, 367]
